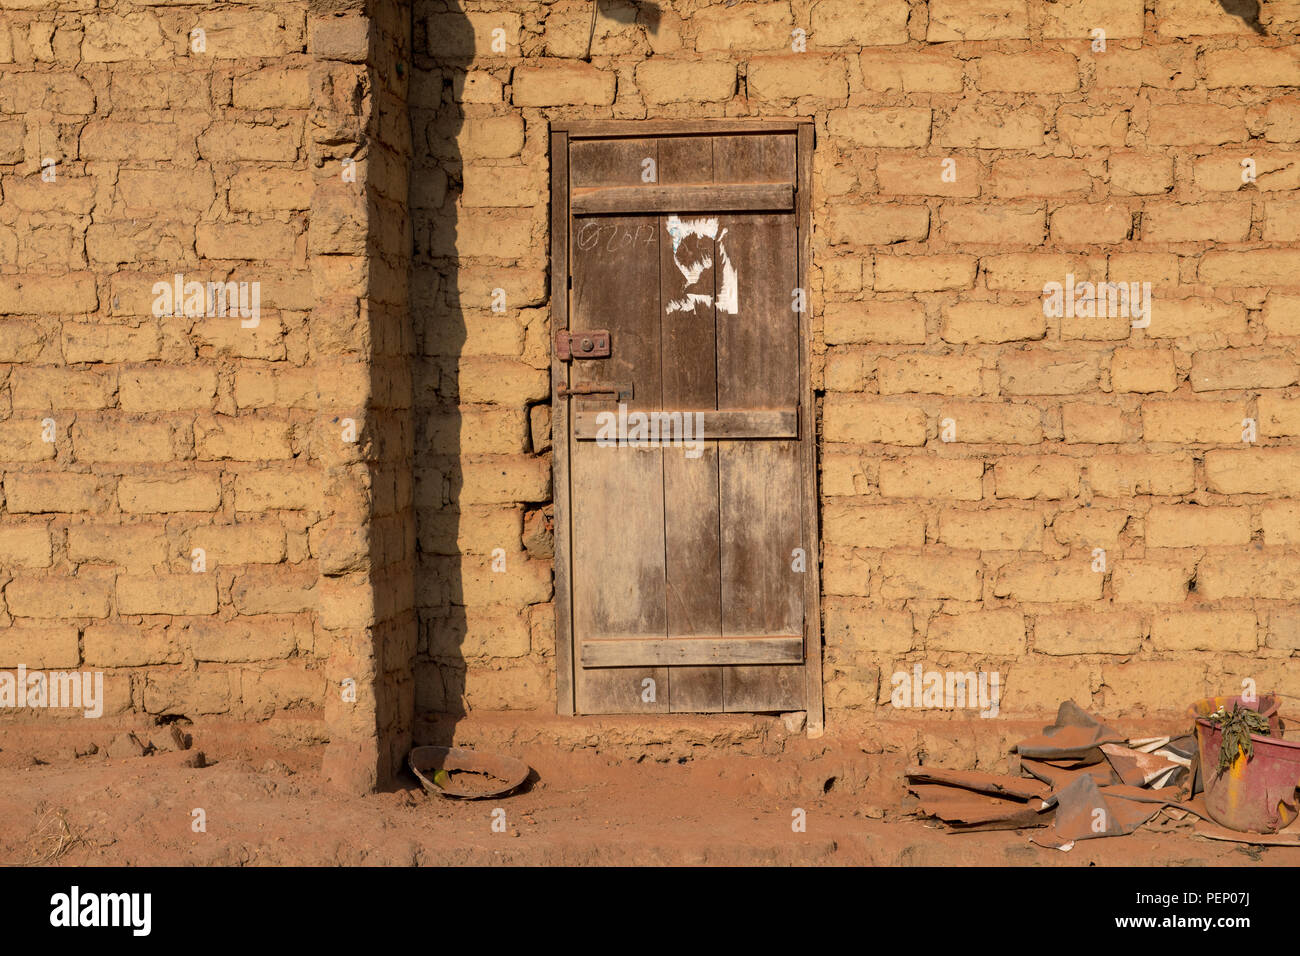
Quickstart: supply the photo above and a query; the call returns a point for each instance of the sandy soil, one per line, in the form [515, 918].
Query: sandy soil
[264, 806]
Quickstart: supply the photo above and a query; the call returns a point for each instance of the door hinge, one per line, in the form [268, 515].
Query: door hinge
[581, 345]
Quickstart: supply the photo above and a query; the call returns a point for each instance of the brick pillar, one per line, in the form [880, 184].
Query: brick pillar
[358, 244]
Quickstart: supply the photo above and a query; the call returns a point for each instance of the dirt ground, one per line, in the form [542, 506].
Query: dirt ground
[629, 803]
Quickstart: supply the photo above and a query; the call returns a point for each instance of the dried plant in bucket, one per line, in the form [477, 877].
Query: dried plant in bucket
[1237, 728]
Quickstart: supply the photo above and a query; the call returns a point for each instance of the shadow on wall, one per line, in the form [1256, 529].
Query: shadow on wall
[481, 379]
[479, 297]
[1247, 11]
[442, 50]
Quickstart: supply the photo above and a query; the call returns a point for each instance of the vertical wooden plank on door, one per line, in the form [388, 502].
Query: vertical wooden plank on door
[617, 492]
[808, 433]
[560, 421]
[760, 487]
[754, 158]
[691, 531]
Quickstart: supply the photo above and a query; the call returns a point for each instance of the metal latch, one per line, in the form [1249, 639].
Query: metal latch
[624, 392]
[581, 345]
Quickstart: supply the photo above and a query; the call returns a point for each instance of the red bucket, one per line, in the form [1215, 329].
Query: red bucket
[1255, 795]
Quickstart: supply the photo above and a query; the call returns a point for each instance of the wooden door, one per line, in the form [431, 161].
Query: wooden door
[685, 484]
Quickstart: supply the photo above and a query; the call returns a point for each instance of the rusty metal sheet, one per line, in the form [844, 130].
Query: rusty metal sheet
[1084, 812]
[1165, 797]
[1288, 836]
[1087, 782]
[1057, 778]
[1076, 734]
[1004, 785]
[968, 810]
[1091, 758]
[1138, 769]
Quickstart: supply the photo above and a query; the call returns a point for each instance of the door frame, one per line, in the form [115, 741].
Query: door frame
[560, 136]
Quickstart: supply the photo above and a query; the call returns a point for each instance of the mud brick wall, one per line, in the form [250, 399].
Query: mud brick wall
[208, 141]
[1069, 436]
[171, 433]
[353, 466]
[359, 243]
[479, 201]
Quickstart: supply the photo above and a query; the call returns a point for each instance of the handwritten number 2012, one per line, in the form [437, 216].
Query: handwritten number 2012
[614, 236]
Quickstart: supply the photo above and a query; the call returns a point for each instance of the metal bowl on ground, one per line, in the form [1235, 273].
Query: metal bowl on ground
[500, 774]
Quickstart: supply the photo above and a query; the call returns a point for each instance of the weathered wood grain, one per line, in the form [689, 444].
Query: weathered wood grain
[767, 423]
[564, 701]
[602, 129]
[678, 650]
[685, 566]
[761, 495]
[745, 197]
[808, 445]
[690, 485]
[618, 528]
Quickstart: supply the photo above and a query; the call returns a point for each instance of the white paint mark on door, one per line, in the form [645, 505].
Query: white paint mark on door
[728, 295]
[680, 228]
[689, 302]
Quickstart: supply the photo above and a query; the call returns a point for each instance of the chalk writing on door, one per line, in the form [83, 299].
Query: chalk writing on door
[612, 237]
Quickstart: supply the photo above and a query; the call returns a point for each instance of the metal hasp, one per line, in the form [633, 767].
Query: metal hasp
[581, 345]
[624, 392]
